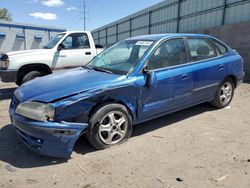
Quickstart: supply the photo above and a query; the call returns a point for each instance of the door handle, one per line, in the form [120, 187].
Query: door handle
[62, 56]
[184, 76]
[87, 53]
[221, 67]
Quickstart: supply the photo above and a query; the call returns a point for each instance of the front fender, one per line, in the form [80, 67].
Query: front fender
[77, 108]
[16, 62]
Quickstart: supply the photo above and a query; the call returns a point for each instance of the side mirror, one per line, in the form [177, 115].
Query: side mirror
[60, 47]
[149, 76]
[98, 46]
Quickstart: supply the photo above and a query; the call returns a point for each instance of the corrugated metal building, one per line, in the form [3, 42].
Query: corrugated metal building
[228, 20]
[175, 16]
[19, 36]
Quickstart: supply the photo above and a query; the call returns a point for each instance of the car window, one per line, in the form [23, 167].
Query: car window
[130, 53]
[76, 41]
[68, 42]
[51, 44]
[200, 49]
[120, 54]
[121, 57]
[221, 48]
[169, 53]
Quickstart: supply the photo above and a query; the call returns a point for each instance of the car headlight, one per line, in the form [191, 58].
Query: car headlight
[36, 110]
[4, 61]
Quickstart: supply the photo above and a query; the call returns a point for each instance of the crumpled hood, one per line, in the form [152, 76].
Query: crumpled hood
[27, 52]
[63, 84]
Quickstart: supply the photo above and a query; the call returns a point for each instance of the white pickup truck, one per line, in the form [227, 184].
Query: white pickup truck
[66, 50]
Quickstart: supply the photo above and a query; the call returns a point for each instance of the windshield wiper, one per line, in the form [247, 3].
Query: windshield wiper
[87, 67]
[102, 70]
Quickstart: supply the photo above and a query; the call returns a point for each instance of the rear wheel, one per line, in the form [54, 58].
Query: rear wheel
[224, 94]
[111, 124]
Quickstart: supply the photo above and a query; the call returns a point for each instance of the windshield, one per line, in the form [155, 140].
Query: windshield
[54, 41]
[121, 57]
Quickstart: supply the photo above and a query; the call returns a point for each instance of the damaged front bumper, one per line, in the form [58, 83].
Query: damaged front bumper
[48, 138]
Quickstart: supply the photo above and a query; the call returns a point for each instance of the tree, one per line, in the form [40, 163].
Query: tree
[5, 14]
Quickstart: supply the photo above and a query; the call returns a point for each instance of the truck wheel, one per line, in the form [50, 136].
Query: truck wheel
[110, 125]
[31, 75]
[224, 94]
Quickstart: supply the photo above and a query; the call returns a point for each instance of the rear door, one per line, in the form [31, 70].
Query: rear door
[77, 52]
[172, 85]
[207, 68]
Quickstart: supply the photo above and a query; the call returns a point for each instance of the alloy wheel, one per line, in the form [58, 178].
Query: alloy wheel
[226, 93]
[113, 127]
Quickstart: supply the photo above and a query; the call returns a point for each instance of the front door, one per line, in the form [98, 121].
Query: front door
[171, 85]
[76, 52]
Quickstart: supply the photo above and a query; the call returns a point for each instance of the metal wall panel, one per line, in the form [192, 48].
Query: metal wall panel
[193, 6]
[102, 33]
[164, 28]
[123, 36]
[111, 40]
[165, 14]
[207, 20]
[95, 35]
[233, 1]
[103, 41]
[140, 22]
[96, 41]
[125, 26]
[237, 14]
[111, 30]
[163, 18]
[137, 32]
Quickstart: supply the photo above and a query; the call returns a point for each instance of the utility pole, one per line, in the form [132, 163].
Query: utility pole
[83, 13]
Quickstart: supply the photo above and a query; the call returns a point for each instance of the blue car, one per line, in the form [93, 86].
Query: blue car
[133, 81]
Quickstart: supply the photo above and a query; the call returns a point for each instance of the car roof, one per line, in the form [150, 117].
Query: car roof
[156, 37]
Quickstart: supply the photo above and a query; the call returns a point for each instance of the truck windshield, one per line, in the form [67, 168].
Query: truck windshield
[121, 57]
[53, 41]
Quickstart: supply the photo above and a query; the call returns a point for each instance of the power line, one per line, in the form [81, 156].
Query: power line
[75, 22]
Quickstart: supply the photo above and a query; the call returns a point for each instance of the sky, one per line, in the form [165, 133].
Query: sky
[69, 13]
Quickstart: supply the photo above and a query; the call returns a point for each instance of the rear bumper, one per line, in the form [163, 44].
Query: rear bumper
[8, 75]
[48, 138]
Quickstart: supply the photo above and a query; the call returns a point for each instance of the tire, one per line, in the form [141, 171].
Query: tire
[31, 75]
[110, 124]
[224, 94]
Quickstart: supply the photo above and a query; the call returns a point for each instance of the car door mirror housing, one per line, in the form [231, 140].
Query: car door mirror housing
[60, 47]
[150, 77]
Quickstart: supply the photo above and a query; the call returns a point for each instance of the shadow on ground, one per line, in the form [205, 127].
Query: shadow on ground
[7, 93]
[12, 151]
[82, 146]
[170, 119]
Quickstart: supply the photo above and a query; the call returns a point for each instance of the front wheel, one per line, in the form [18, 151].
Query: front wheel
[224, 94]
[31, 75]
[110, 124]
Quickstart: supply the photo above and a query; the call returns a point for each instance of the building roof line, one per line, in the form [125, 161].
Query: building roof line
[31, 26]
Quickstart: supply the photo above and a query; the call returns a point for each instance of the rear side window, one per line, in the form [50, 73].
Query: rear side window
[221, 48]
[200, 49]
